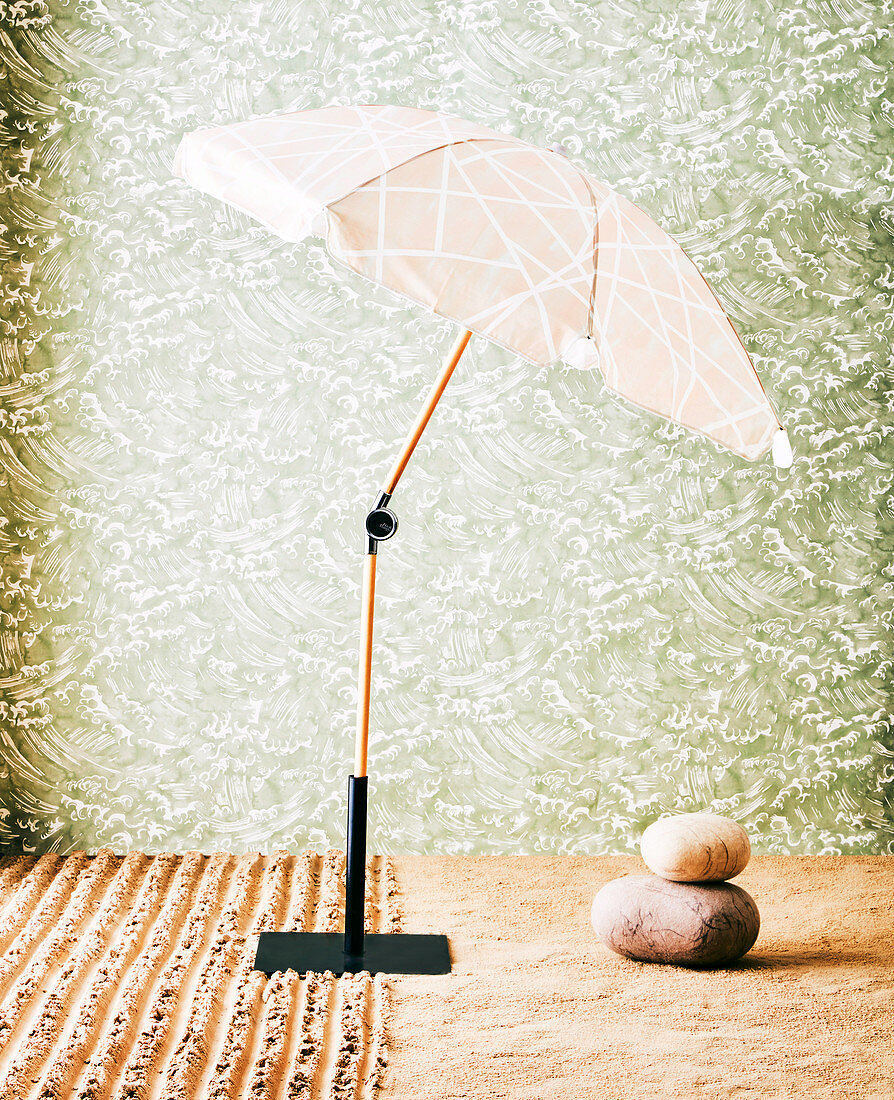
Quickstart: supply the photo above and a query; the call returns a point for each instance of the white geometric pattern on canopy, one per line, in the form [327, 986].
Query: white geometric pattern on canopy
[507, 239]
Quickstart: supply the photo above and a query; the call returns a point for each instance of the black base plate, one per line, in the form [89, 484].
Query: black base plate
[383, 953]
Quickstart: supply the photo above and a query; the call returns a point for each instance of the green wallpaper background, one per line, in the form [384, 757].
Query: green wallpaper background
[589, 616]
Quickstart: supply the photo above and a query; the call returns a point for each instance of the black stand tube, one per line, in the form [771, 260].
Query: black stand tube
[376, 953]
[355, 877]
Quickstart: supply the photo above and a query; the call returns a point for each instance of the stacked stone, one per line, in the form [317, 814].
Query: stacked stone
[686, 912]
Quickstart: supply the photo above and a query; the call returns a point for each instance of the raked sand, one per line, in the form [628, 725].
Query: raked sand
[129, 977]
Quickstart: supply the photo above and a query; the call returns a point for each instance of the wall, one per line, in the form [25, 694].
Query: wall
[589, 616]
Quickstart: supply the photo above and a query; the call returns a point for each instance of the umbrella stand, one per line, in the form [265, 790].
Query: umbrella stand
[392, 953]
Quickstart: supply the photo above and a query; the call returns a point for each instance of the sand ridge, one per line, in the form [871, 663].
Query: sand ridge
[129, 977]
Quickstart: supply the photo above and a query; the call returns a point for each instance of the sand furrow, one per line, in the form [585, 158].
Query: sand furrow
[269, 1068]
[66, 987]
[329, 1040]
[304, 893]
[332, 891]
[228, 1071]
[21, 906]
[100, 1071]
[242, 1001]
[60, 941]
[391, 901]
[109, 975]
[378, 1021]
[372, 909]
[268, 916]
[188, 1062]
[351, 1048]
[206, 1053]
[191, 1055]
[235, 919]
[13, 868]
[41, 922]
[280, 873]
[136, 1079]
[294, 1038]
[317, 994]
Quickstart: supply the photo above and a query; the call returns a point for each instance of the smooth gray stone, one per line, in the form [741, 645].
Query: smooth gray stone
[651, 919]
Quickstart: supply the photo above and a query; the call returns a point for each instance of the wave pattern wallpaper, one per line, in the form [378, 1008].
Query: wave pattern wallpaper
[589, 616]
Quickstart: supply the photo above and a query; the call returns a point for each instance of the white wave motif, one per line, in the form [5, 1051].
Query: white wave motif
[589, 615]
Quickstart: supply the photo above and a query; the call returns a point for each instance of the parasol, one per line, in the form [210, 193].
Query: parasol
[513, 242]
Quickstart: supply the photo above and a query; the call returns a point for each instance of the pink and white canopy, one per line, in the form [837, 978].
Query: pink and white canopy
[507, 239]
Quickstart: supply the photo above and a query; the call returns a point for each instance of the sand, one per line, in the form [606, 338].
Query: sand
[537, 1009]
[129, 977]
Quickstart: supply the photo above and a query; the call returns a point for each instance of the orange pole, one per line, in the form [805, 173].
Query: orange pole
[416, 431]
[361, 742]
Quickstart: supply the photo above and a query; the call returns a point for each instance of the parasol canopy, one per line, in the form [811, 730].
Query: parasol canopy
[509, 240]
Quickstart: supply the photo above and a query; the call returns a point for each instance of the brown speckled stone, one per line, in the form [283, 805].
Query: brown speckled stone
[651, 919]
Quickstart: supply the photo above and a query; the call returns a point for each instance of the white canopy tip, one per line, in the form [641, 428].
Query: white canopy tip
[782, 450]
[581, 353]
[318, 223]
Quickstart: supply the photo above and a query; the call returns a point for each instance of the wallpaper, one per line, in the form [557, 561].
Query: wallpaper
[589, 616]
